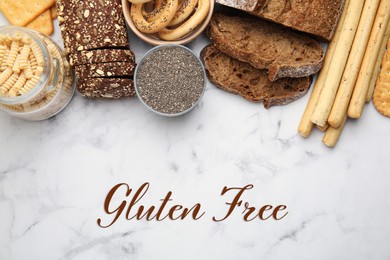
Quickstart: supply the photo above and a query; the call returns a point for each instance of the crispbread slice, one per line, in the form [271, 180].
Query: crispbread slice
[109, 69]
[53, 11]
[381, 96]
[279, 50]
[22, 12]
[43, 23]
[106, 87]
[101, 56]
[253, 84]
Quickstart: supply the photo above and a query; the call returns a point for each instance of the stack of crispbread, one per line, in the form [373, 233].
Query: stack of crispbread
[33, 14]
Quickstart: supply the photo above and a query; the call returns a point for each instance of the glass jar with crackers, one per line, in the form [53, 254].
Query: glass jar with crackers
[36, 80]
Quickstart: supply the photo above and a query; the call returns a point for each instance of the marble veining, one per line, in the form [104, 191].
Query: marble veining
[55, 175]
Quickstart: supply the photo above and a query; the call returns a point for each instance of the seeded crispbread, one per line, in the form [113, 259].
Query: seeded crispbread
[22, 12]
[381, 96]
[253, 84]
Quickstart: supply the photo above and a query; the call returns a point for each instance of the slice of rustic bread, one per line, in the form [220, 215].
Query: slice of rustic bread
[253, 84]
[279, 50]
[317, 17]
[245, 5]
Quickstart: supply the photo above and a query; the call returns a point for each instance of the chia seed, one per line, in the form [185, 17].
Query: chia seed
[170, 80]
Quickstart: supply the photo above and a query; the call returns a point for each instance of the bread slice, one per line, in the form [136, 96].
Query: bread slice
[101, 56]
[245, 5]
[106, 87]
[279, 50]
[317, 17]
[107, 69]
[243, 79]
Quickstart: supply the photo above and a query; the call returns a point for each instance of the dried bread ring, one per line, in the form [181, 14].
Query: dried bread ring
[139, 1]
[153, 15]
[184, 11]
[144, 26]
[189, 25]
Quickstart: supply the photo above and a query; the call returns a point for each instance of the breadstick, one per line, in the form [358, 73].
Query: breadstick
[332, 135]
[305, 126]
[355, 59]
[378, 33]
[323, 129]
[378, 64]
[339, 60]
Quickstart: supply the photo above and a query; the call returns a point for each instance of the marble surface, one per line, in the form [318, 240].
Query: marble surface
[55, 175]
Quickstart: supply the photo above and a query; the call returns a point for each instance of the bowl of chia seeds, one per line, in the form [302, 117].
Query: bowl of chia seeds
[170, 80]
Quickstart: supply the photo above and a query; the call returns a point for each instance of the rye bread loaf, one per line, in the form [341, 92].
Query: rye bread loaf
[282, 52]
[107, 69]
[113, 88]
[253, 84]
[101, 56]
[317, 17]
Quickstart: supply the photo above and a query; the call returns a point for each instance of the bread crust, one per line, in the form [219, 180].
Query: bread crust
[282, 52]
[316, 17]
[254, 86]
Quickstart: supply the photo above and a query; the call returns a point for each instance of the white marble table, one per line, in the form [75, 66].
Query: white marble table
[55, 175]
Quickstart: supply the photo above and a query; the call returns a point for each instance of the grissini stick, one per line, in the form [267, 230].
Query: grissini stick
[378, 33]
[354, 62]
[323, 128]
[332, 135]
[339, 60]
[378, 64]
[306, 126]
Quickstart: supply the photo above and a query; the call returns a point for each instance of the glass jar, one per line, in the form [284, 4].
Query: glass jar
[53, 84]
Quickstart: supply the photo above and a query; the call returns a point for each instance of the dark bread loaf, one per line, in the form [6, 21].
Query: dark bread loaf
[282, 52]
[317, 17]
[243, 79]
[112, 88]
[107, 69]
[101, 56]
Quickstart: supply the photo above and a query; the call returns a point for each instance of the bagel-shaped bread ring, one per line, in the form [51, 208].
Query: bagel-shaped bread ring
[139, 1]
[189, 25]
[153, 15]
[144, 26]
[184, 11]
